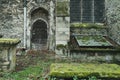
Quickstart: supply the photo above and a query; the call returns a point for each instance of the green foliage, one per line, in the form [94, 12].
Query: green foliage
[92, 78]
[87, 25]
[75, 78]
[33, 72]
[85, 70]
[62, 8]
[53, 78]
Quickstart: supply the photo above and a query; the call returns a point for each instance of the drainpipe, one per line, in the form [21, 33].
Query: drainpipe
[81, 19]
[93, 12]
[25, 23]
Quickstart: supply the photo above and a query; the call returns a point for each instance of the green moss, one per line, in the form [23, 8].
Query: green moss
[9, 41]
[84, 70]
[87, 25]
[94, 50]
[92, 41]
[60, 46]
[62, 8]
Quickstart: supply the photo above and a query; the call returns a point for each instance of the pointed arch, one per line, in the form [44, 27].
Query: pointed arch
[39, 34]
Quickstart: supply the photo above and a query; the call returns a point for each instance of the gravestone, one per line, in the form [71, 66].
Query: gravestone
[8, 54]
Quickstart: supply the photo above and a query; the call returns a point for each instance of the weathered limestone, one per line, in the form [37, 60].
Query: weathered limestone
[62, 30]
[62, 22]
[96, 56]
[90, 56]
[49, 6]
[8, 54]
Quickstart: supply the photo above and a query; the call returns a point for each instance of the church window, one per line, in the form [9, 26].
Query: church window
[91, 11]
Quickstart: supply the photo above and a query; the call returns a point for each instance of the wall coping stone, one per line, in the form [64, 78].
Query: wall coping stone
[88, 25]
[8, 41]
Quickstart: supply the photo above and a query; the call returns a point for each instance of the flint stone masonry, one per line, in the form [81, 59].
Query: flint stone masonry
[12, 19]
[12, 13]
[8, 54]
[113, 19]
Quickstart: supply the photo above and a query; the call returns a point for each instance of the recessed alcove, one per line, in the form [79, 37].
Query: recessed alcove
[39, 35]
[39, 28]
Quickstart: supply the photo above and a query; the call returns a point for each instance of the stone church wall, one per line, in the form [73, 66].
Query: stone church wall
[62, 30]
[62, 22]
[113, 19]
[49, 7]
[11, 19]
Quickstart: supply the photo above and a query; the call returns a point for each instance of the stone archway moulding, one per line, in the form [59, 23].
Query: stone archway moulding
[32, 9]
[31, 22]
[37, 20]
[39, 45]
[48, 22]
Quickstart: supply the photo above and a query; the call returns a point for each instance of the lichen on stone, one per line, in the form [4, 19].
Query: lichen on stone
[62, 8]
[92, 41]
[67, 70]
[9, 41]
[88, 25]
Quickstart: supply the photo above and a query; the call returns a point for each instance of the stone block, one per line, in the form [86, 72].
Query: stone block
[62, 36]
[4, 68]
[6, 63]
[8, 53]
[61, 42]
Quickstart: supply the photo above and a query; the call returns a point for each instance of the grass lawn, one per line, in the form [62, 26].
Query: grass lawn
[33, 66]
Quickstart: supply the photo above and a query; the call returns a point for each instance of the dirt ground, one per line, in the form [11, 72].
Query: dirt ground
[32, 57]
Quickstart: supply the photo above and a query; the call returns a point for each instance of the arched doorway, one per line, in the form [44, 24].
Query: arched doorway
[39, 35]
[39, 28]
